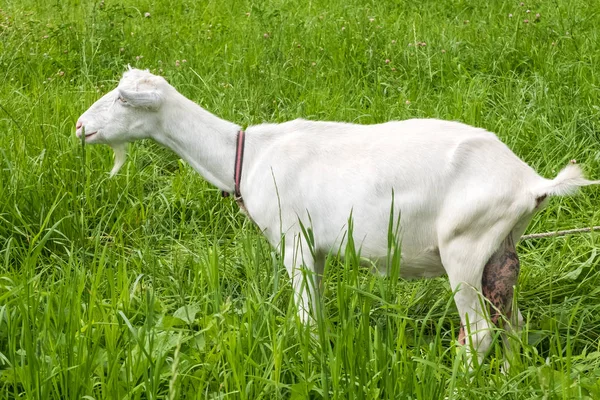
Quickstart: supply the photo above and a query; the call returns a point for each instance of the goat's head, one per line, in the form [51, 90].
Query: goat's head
[125, 114]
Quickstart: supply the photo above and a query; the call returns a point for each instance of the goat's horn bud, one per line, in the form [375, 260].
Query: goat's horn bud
[120, 155]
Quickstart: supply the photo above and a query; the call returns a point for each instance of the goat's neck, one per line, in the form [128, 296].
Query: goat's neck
[203, 140]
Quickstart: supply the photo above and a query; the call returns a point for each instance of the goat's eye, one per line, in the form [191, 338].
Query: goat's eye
[122, 100]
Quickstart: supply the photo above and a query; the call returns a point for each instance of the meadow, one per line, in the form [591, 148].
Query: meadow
[150, 285]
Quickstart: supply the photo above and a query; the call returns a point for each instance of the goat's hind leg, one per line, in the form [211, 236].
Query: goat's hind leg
[500, 276]
[465, 270]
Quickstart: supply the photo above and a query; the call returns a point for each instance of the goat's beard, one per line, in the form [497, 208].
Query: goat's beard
[120, 156]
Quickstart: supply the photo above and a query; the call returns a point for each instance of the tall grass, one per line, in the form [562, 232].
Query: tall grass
[151, 286]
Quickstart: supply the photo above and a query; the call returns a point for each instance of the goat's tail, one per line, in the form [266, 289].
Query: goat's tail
[567, 182]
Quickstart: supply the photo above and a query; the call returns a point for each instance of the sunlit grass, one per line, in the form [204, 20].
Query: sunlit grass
[149, 285]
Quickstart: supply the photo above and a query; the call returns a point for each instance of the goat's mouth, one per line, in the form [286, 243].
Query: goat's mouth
[90, 135]
[87, 135]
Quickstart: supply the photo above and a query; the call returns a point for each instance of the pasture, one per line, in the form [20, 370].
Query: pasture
[150, 285]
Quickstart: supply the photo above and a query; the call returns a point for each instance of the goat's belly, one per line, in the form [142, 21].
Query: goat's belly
[421, 268]
[425, 264]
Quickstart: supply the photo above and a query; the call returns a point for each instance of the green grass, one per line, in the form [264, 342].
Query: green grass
[151, 286]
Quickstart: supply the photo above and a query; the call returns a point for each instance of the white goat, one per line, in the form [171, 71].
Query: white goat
[463, 197]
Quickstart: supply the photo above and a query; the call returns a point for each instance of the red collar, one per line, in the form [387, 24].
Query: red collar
[237, 168]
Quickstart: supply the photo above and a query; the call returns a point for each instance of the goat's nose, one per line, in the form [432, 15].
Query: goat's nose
[79, 125]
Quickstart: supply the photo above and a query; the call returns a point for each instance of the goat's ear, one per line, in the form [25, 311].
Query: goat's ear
[147, 99]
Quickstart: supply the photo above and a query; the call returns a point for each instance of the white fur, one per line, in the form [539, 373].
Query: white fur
[458, 190]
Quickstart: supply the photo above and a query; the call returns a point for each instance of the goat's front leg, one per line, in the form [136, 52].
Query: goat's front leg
[305, 273]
